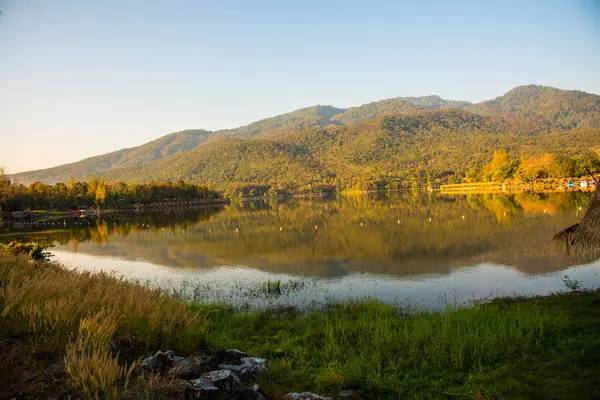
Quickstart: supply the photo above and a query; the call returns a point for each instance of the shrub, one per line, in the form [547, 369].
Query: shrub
[35, 251]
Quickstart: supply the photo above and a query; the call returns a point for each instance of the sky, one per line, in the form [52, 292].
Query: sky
[82, 78]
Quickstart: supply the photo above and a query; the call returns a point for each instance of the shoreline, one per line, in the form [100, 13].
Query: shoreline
[540, 187]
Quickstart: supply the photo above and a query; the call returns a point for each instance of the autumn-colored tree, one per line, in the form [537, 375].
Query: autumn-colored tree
[536, 167]
[100, 194]
[500, 157]
[501, 167]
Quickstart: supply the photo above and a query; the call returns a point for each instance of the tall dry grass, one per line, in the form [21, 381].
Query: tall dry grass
[100, 325]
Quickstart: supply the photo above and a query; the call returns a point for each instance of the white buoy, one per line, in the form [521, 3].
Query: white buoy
[463, 217]
[361, 224]
[398, 222]
[429, 219]
[280, 229]
[316, 227]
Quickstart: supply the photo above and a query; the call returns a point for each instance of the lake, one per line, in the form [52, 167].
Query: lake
[413, 248]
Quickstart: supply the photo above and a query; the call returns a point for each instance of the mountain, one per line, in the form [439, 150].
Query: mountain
[435, 102]
[151, 151]
[390, 140]
[550, 108]
[297, 120]
[363, 155]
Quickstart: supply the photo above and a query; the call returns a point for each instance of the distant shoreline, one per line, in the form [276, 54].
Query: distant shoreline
[541, 185]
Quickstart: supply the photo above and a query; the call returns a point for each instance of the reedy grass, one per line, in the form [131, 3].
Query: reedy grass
[46, 299]
[102, 324]
[91, 367]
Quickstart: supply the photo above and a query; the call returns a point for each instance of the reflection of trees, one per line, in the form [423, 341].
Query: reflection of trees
[102, 231]
[100, 235]
[502, 206]
[386, 233]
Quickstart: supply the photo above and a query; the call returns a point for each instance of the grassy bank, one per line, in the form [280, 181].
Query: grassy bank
[512, 348]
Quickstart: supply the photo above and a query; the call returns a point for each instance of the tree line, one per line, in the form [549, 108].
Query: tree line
[95, 193]
[504, 166]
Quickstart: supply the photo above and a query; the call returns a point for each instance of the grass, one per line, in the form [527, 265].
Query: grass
[541, 348]
[57, 320]
[64, 333]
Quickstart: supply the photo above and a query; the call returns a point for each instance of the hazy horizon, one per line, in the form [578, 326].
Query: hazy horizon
[82, 79]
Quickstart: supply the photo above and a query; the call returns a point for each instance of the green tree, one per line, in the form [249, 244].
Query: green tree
[4, 184]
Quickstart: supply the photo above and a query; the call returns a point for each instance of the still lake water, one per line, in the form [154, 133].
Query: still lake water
[418, 249]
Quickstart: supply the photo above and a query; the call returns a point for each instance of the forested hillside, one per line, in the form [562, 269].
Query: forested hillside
[99, 165]
[372, 154]
[530, 132]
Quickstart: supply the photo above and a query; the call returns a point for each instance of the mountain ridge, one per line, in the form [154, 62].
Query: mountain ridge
[530, 110]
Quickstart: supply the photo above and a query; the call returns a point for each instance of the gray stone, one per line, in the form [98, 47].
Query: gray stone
[304, 396]
[204, 389]
[232, 356]
[251, 393]
[172, 356]
[193, 367]
[223, 379]
[160, 361]
[249, 367]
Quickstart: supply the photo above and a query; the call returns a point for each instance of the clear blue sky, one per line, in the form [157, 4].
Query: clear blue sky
[80, 78]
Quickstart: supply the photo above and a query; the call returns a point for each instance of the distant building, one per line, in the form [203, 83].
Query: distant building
[17, 215]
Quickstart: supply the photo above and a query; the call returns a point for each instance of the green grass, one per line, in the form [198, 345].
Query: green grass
[544, 348]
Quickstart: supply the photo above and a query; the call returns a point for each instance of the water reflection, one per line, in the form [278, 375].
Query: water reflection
[397, 236]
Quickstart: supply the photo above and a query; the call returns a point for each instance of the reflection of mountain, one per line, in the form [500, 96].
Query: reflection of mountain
[361, 234]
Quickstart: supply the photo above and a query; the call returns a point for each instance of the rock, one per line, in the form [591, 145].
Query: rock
[173, 357]
[223, 379]
[249, 367]
[251, 393]
[304, 396]
[160, 361]
[231, 356]
[204, 389]
[193, 367]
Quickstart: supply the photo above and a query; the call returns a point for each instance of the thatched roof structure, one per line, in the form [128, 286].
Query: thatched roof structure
[583, 239]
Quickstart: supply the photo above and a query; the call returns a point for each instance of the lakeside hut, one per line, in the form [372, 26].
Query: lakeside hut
[583, 239]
